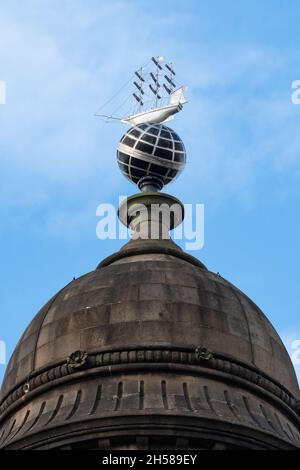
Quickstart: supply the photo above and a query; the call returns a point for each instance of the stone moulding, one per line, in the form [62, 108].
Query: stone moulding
[194, 359]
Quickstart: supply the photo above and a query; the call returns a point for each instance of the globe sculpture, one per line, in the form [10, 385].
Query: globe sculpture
[151, 155]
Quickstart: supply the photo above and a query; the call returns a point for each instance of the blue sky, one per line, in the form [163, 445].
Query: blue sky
[62, 59]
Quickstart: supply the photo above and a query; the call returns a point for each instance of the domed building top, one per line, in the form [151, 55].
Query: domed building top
[143, 299]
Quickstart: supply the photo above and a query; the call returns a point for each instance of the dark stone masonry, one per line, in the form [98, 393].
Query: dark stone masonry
[150, 351]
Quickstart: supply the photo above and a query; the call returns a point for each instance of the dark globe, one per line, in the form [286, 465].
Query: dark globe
[151, 153]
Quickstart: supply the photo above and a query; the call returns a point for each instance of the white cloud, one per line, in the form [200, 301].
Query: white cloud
[241, 124]
[56, 80]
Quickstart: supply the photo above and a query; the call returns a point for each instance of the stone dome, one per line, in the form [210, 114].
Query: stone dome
[151, 349]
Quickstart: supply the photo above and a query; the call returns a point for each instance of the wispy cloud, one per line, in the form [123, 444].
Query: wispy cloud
[241, 124]
[58, 72]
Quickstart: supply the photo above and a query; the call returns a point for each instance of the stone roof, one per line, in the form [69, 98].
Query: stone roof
[158, 335]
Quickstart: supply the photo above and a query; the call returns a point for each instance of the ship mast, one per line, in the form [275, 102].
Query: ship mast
[170, 86]
[139, 86]
[155, 77]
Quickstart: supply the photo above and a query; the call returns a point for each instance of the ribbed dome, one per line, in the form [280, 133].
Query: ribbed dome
[150, 298]
[164, 337]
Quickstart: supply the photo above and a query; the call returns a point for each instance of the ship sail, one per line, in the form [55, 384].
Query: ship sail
[177, 97]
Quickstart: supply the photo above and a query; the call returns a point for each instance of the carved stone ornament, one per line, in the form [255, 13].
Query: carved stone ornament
[202, 353]
[77, 359]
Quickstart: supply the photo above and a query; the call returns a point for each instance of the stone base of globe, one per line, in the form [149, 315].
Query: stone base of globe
[151, 215]
[150, 183]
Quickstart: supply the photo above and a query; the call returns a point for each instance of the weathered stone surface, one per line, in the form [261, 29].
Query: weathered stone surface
[141, 319]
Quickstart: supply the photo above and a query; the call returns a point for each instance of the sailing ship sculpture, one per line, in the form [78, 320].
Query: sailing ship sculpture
[157, 98]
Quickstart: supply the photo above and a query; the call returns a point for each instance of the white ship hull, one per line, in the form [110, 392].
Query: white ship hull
[153, 115]
[162, 114]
